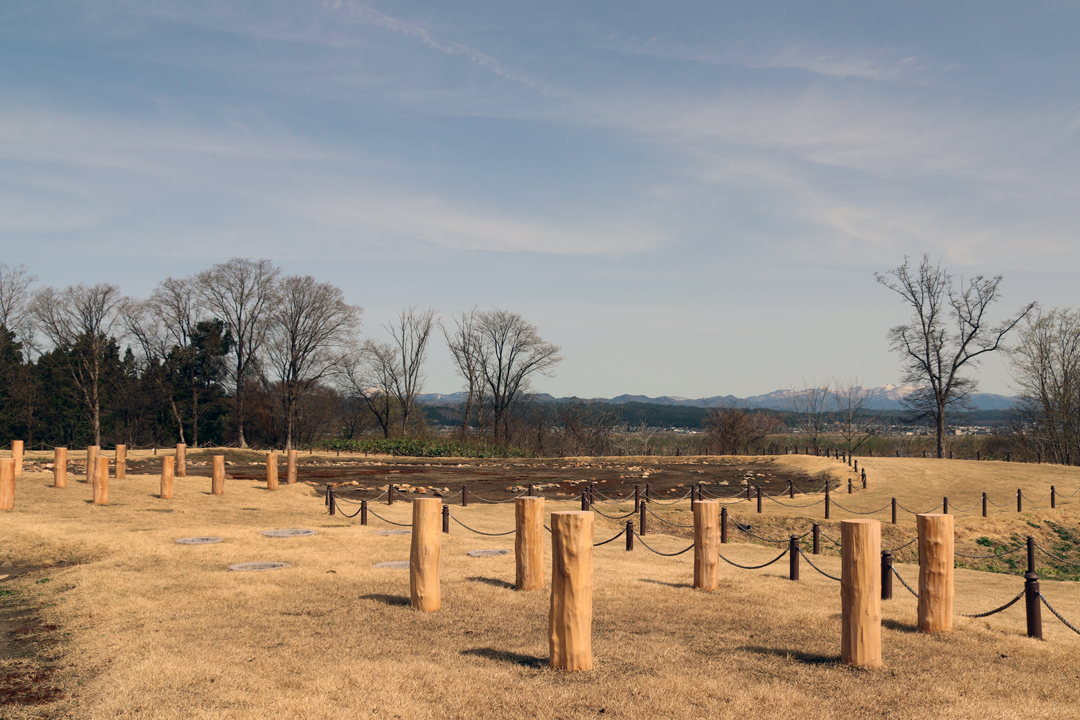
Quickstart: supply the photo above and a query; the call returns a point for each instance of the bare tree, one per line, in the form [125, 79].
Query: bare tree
[465, 343]
[731, 429]
[811, 406]
[855, 419]
[312, 332]
[80, 320]
[511, 352]
[241, 292]
[369, 375]
[15, 315]
[948, 331]
[1046, 367]
[410, 333]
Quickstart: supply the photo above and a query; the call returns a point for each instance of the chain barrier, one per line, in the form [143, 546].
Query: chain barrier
[480, 532]
[1057, 614]
[834, 542]
[901, 547]
[996, 505]
[1073, 494]
[1055, 557]
[753, 567]
[609, 499]
[923, 512]
[676, 500]
[1033, 500]
[811, 564]
[988, 557]
[796, 506]
[613, 517]
[745, 531]
[496, 502]
[371, 512]
[857, 512]
[902, 581]
[345, 514]
[666, 522]
[638, 536]
[610, 539]
[1006, 606]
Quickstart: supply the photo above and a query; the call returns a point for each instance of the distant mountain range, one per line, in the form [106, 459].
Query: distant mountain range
[885, 397]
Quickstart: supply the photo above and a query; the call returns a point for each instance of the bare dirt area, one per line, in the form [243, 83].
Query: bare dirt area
[500, 479]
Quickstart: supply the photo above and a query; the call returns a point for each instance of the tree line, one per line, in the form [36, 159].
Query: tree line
[242, 354]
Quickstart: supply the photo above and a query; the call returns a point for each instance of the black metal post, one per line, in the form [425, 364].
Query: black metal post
[629, 535]
[759, 499]
[390, 495]
[584, 500]
[363, 512]
[791, 489]
[641, 520]
[464, 496]
[828, 502]
[817, 539]
[1031, 594]
[945, 506]
[793, 558]
[446, 519]
[894, 511]
[984, 504]
[637, 498]
[850, 487]
[530, 490]
[333, 501]
[1019, 501]
[886, 575]
[1053, 497]
[723, 525]
[864, 478]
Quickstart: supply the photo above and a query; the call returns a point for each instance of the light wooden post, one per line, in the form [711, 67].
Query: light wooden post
[168, 465]
[707, 544]
[60, 467]
[217, 476]
[860, 593]
[570, 617]
[935, 572]
[181, 460]
[91, 463]
[424, 556]
[17, 448]
[7, 483]
[529, 542]
[290, 469]
[101, 481]
[271, 471]
[121, 462]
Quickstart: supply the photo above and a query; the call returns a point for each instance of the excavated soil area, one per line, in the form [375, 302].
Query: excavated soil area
[499, 479]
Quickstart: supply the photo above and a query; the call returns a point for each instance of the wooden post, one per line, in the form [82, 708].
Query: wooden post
[7, 483]
[60, 467]
[290, 469]
[529, 543]
[707, 544]
[91, 463]
[860, 593]
[271, 471]
[935, 572]
[570, 615]
[168, 468]
[121, 462]
[101, 481]
[217, 476]
[17, 448]
[181, 460]
[424, 556]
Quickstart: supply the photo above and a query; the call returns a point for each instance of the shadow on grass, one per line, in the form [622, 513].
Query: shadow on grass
[492, 581]
[391, 600]
[796, 655]
[668, 584]
[899, 626]
[507, 657]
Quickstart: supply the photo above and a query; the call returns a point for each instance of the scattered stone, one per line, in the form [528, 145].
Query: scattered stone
[396, 531]
[393, 565]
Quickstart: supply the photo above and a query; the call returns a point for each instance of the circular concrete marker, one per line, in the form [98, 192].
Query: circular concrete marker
[393, 565]
[288, 532]
[487, 553]
[402, 531]
[257, 566]
[199, 540]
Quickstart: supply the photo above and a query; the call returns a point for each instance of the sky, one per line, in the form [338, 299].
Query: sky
[690, 198]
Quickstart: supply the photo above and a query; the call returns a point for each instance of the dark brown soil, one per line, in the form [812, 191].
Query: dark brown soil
[503, 478]
[26, 674]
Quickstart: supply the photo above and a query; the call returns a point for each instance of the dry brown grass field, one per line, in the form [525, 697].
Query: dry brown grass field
[113, 619]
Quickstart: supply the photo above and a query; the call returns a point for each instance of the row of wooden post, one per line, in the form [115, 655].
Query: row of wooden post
[97, 471]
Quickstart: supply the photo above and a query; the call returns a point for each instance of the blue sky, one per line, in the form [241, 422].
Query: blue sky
[691, 198]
